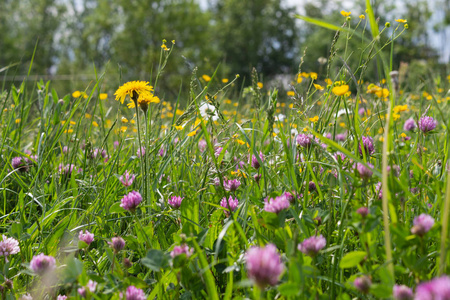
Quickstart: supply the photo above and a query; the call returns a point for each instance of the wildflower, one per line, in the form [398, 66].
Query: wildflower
[41, 264]
[86, 237]
[127, 179]
[363, 284]
[291, 93]
[345, 13]
[67, 169]
[264, 265]
[311, 246]
[61, 297]
[260, 85]
[318, 87]
[276, 204]
[340, 90]
[8, 246]
[402, 292]
[409, 125]
[134, 89]
[378, 190]
[364, 172]
[133, 293]
[427, 124]
[362, 17]
[340, 137]
[116, 144]
[230, 204]
[422, 224]
[304, 140]
[26, 296]
[183, 249]
[437, 288]
[175, 201]
[363, 211]
[19, 163]
[225, 80]
[257, 177]
[255, 163]
[131, 201]
[367, 142]
[117, 243]
[231, 185]
[140, 152]
[206, 78]
[208, 111]
[401, 20]
[144, 100]
[76, 94]
[314, 119]
[103, 96]
[202, 145]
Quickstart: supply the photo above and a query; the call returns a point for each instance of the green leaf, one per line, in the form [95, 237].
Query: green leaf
[352, 259]
[155, 260]
[288, 289]
[190, 215]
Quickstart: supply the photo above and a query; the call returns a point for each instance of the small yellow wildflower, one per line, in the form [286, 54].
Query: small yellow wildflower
[314, 119]
[260, 85]
[18, 121]
[124, 120]
[206, 78]
[179, 127]
[103, 96]
[362, 17]
[328, 81]
[291, 93]
[192, 133]
[300, 78]
[87, 116]
[240, 142]
[318, 87]
[225, 80]
[401, 20]
[382, 93]
[95, 124]
[76, 94]
[340, 90]
[123, 128]
[345, 13]
[313, 75]
[72, 123]
[403, 135]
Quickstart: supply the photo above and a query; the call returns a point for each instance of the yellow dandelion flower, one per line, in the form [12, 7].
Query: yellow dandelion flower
[163, 126]
[18, 121]
[225, 80]
[95, 124]
[103, 96]
[72, 123]
[318, 87]
[68, 131]
[291, 93]
[76, 94]
[206, 78]
[342, 124]
[382, 93]
[260, 85]
[346, 13]
[403, 135]
[313, 75]
[304, 74]
[299, 78]
[124, 120]
[133, 89]
[144, 100]
[362, 17]
[328, 81]
[291, 105]
[123, 128]
[179, 127]
[381, 139]
[401, 20]
[240, 142]
[340, 90]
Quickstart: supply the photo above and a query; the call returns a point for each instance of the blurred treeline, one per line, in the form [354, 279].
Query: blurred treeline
[75, 38]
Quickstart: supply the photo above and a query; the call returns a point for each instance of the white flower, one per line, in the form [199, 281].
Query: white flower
[280, 117]
[208, 111]
[294, 132]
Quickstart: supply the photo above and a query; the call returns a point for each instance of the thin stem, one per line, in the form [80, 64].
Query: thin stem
[147, 241]
[142, 153]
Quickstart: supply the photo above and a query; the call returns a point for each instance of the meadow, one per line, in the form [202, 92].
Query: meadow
[336, 188]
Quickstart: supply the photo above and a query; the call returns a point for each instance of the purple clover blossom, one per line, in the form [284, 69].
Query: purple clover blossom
[8, 246]
[91, 285]
[183, 249]
[340, 137]
[26, 296]
[117, 243]
[422, 224]
[367, 142]
[363, 211]
[257, 178]
[231, 185]
[402, 292]
[311, 246]
[175, 201]
[290, 197]
[312, 186]
[65, 149]
[233, 204]
[427, 124]
[41, 264]
[67, 169]
[364, 172]
[409, 125]
[264, 265]
[255, 163]
[162, 151]
[61, 297]
[82, 292]
[140, 152]
[86, 237]
[276, 204]
[116, 144]
[133, 293]
[304, 140]
[19, 163]
[363, 284]
[131, 201]
[127, 179]
[202, 145]
[435, 289]
[379, 190]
